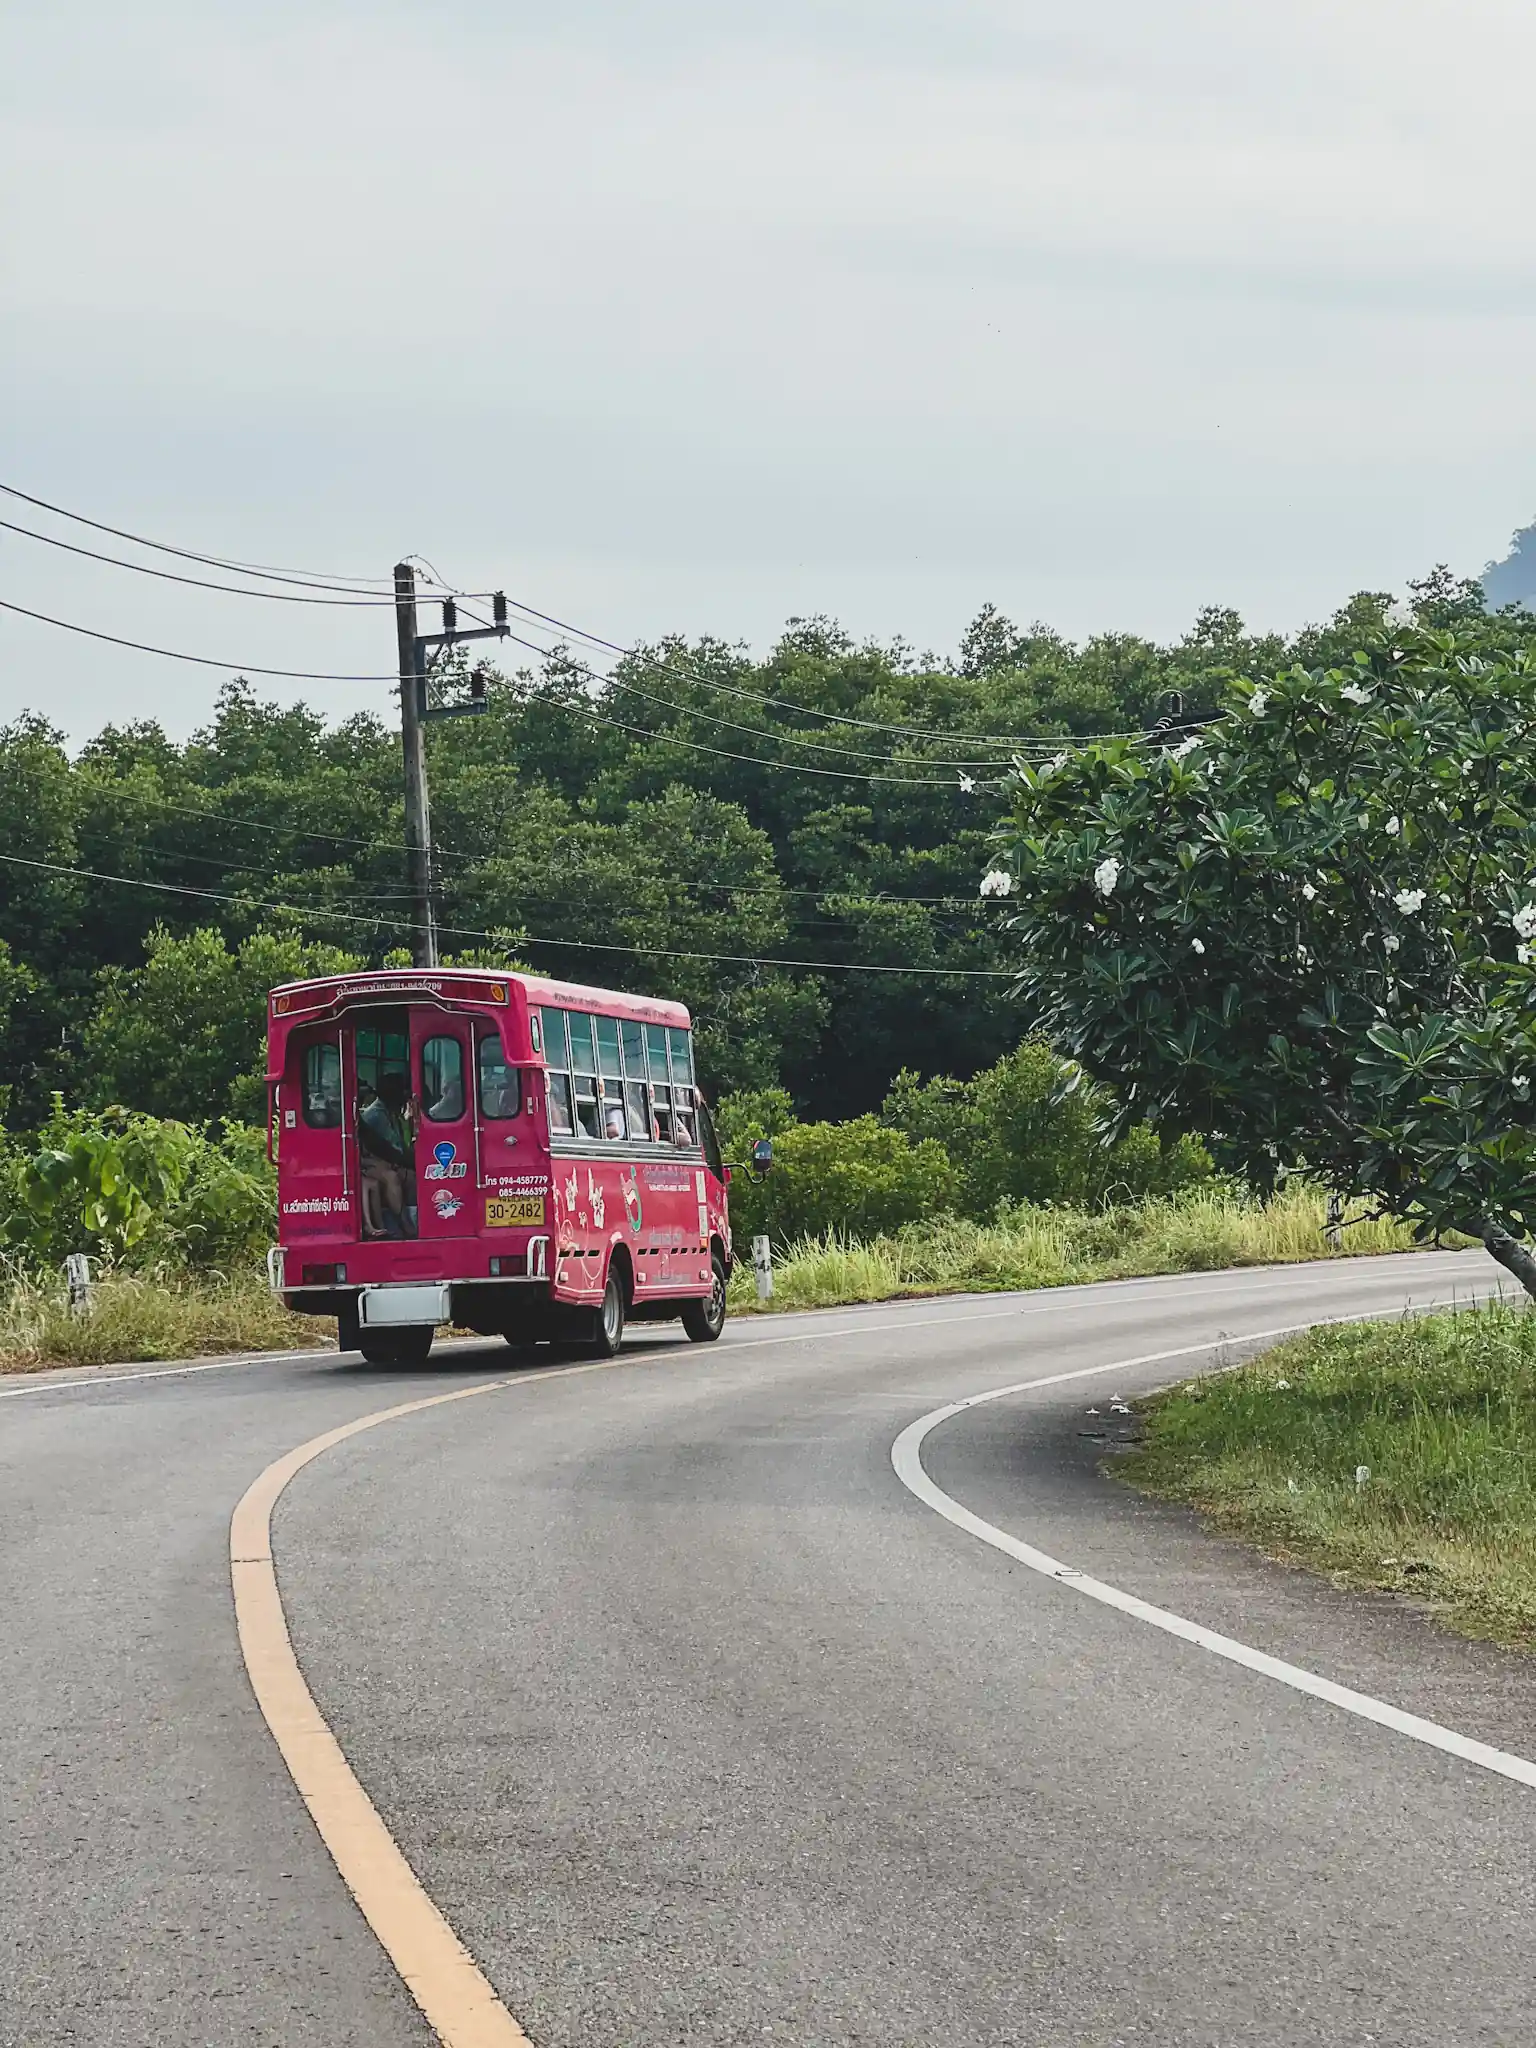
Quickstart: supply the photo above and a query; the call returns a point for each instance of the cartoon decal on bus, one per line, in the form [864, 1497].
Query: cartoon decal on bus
[522, 1157]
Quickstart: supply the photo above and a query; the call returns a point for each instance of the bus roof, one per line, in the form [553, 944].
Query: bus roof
[293, 999]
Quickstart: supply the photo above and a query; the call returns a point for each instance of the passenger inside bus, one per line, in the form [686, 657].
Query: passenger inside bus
[386, 1148]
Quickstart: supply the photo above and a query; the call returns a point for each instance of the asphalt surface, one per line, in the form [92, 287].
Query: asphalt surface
[700, 1728]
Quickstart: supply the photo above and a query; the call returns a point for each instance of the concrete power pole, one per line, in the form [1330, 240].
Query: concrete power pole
[418, 814]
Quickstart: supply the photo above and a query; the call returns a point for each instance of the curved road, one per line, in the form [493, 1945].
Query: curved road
[699, 1726]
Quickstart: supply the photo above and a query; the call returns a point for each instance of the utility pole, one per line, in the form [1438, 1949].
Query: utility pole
[418, 812]
[417, 709]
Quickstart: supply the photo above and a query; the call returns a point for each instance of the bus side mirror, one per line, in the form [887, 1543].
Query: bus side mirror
[762, 1154]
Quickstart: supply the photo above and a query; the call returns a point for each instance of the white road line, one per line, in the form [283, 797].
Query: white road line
[906, 1457]
[1021, 1302]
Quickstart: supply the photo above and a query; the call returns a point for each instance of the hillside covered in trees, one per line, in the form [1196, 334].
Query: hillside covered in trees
[751, 835]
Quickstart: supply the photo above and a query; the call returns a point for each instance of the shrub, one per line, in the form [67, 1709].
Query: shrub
[1035, 1129]
[860, 1178]
[135, 1189]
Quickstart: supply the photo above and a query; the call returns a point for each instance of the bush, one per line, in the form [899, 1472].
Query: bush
[137, 1189]
[860, 1178]
[1035, 1129]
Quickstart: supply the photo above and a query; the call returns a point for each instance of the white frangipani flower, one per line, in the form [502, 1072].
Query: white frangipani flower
[1391, 942]
[1185, 747]
[1357, 693]
[1106, 874]
[1258, 702]
[1525, 955]
[1393, 827]
[967, 784]
[1309, 892]
[997, 882]
[1409, 901]
[1399, 615]
[1521, 1083]
[1197, 945]
[1524, 921]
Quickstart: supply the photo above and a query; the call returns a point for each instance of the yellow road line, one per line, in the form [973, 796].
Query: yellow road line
[438, 1971]
[436, 1968]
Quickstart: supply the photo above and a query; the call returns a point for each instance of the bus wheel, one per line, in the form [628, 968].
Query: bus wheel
[608, 1324]
[396, 1347]
[704, 1320]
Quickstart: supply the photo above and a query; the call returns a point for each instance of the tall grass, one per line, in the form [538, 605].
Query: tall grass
[176, 1314]
[1198, 1231]
[137, 1317]
[1438, 1412]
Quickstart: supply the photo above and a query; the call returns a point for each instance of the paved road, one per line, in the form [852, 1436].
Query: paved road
[700, 1728]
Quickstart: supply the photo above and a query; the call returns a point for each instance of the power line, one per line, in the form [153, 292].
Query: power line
[120, 789]
[722, 753]
[196, 582]
[808, 711]
[302, 675]
[312, 579]
[526, 938]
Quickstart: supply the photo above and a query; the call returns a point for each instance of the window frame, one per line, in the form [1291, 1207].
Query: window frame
[333, 1047]
[501, 1116]
[455, 1039]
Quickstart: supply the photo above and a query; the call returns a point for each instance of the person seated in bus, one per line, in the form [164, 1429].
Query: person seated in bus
[613, 1118]
[558, 1088]
[449, 1106]
[682, 1120]
[384, 1141]
[500, 1093]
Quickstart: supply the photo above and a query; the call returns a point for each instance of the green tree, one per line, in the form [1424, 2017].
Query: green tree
[1311, 931]
[184, 1036]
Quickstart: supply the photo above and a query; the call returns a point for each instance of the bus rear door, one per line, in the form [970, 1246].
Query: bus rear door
[447, 1139]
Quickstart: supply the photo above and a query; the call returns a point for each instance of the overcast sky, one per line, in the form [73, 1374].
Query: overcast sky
[699, 315]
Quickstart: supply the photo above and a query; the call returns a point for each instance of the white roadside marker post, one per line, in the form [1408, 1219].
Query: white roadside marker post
[762, 1267]
[77, 1277]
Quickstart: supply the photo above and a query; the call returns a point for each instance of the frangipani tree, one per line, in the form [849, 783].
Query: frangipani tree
[1309, 931]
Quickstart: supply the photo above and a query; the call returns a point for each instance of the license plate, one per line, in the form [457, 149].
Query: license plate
[503, 1211]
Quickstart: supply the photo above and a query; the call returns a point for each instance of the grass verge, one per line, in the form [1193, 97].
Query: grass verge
[134, 1318]
[1438, 1413]
[1195, 1232]
[182, 1315]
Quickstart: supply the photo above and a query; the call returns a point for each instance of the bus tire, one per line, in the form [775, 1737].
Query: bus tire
[396, 1347]
[608, 1323]
[704, 1320]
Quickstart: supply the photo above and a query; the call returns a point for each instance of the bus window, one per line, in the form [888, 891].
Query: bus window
[639, 1107]
[661, 1091]
[681, 1043]
[501, 1094]
[381, 1049]
[557, 1053]
[322, 1086]
[682, 1117]
[442, 1079]
[634, 1050]
[615, 1124]
[608, 1048]
[589, 1123]
[709, 1139]
[562, 1124]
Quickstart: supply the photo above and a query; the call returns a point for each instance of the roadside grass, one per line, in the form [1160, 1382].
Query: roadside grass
[134, 1318]
[1195, 1232]
[1440, 1411]
[179, 1314]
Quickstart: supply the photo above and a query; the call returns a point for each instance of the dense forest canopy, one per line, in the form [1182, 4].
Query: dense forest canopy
[693, 820]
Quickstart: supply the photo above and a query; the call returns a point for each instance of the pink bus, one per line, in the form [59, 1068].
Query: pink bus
[522, 1157]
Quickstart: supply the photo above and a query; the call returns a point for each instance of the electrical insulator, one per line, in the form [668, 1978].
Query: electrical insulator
[477, 685]
[499, 607]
